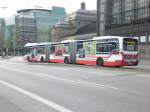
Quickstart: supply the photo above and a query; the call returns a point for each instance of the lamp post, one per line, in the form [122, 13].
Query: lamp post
[14, 40]
[4, 8]
[98, 17]
[131, 22]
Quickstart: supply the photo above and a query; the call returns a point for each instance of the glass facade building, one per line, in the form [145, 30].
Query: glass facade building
[25, 29]
[125, 11]
[36, 24]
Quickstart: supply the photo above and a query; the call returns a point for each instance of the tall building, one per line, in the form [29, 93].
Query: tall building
[33, 25]
[127, 18]
[26, 29]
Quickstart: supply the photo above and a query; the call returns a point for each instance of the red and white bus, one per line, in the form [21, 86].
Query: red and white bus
[113, 51]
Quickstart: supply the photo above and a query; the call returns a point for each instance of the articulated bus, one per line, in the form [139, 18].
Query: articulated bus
[113, 51]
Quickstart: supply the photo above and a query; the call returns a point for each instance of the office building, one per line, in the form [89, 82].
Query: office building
[33, 25]
[127, 18]
[80, 24]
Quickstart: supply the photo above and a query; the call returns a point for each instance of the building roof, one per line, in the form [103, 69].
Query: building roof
[27, 10]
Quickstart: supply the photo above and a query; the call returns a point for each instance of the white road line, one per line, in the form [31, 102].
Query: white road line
[37, 97]
[85, 83]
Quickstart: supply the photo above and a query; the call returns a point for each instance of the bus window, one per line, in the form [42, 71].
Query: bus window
[41, 50]
[90, 47]
[66, 48]
[34, 52]
[52, 49]
[79, 46]
[130, 44]
[81, 53]
[59, 49]
[28, 50]
[107, 46]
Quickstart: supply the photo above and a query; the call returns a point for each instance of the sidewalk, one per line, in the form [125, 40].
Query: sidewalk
[17, 58]
[13, 58]
[144, 64]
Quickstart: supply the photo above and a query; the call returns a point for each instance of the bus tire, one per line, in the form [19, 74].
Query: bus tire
[66, 60]
[28, 59]
[99, 62]
[42, 59]
[117, 66]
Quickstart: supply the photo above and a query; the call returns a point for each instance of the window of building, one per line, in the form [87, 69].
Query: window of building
[149, 38]
[142, 39]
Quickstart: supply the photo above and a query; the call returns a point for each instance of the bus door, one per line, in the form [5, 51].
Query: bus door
[86, 52]
[34, 52]
[56, 53]
[73, 49]
[47, 53]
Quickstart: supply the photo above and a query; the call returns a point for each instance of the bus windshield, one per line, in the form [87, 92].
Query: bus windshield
[106, 46]
[130, 44]
[28, 50]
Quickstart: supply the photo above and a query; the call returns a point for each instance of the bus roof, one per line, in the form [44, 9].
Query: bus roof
[108, 37]
[37, 44]
[30, 44]
[44, 43]
[66, 41]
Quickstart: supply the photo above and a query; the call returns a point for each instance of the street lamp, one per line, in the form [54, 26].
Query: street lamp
[98, 17]
[4, 8]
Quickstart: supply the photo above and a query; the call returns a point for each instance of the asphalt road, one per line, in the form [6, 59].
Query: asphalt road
[32, 87]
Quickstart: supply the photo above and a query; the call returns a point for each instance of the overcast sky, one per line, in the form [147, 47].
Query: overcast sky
[70, 5]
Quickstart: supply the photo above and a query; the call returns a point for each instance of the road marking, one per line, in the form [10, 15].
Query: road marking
[36, 97]
[85, 83]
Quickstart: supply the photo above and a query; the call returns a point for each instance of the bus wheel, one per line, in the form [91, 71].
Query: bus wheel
[117, 66]
[66, 60]
[28, 59]
[99, 62]
[42, 59]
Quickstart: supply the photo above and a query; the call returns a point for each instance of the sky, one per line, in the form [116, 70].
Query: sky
[14, 5]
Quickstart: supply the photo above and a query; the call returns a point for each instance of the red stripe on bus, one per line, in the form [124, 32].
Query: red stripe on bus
[113, 64]
[86, 62]
[106, 63]
[56, 61]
